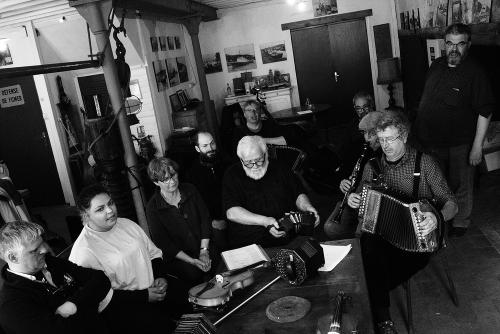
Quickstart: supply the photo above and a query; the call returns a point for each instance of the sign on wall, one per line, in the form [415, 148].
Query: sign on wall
[11, 96]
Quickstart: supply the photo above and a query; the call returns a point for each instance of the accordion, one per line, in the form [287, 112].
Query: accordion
[397, 221]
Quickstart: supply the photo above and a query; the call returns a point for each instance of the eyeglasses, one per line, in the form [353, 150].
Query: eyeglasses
[388, 140]
[365, 107]
[258, 162]
[168, 179]
[459, 44]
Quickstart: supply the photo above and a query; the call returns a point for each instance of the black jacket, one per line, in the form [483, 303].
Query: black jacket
[28, 306]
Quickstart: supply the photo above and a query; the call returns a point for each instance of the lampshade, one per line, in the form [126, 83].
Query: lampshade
[388, 71]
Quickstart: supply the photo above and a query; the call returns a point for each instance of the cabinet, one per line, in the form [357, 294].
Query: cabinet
[332, 61]
[278, 99]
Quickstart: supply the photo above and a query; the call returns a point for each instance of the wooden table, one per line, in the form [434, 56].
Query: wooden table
[297, 113]
[319, 290]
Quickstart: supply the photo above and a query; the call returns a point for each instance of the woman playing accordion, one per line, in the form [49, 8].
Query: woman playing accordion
[387, 266]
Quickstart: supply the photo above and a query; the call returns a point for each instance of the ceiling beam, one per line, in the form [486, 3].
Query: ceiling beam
[169, 9]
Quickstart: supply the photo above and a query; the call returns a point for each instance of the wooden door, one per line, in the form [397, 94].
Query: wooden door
[332, 63]
[351, 65]
[24, 143]
[313, 64]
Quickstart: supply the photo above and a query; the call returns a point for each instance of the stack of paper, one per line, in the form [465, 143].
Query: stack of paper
[333, 255]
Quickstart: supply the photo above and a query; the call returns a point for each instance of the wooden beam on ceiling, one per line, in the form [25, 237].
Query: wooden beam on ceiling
[157, 8]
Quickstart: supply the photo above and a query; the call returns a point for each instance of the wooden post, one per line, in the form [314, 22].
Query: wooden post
[193, 27]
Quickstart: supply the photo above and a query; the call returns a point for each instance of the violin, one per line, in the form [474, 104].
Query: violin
[219, 289]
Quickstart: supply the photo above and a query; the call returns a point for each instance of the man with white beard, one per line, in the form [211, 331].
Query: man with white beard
[256, 193]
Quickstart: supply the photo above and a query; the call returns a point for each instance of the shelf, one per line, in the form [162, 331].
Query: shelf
[482, 33]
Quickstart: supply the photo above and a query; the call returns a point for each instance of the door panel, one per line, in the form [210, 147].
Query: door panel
[322, 51]
[351, 62]
[313, 64]
[25, 146]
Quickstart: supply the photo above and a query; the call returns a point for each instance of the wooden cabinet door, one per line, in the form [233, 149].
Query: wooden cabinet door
[351, 65]
[332, 63]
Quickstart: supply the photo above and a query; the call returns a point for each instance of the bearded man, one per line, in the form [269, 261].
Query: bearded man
[453, 117]
[256, 192]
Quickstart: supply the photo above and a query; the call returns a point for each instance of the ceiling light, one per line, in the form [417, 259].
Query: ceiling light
[291, 2]
[301, 6]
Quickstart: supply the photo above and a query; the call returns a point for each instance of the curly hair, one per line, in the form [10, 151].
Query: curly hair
[158, 168]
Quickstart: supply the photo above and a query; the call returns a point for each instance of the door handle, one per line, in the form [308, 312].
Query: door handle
[337, 76]
[45, 139]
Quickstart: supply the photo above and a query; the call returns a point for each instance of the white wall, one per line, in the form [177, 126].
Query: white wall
[261, 23]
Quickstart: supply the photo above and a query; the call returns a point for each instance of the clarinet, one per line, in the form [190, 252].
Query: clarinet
[339, 208]
[335, 325]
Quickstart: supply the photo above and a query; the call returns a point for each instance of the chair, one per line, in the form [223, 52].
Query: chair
[452, 291]
[9, 211]
[289, 156]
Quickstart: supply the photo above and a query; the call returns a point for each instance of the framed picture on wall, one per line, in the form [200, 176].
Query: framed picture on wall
[175, 102]
[182, 97]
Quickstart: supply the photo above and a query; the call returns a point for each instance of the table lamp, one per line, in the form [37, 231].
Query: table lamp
[388, 73]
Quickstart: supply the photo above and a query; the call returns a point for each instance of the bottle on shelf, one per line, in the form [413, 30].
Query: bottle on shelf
[308, 104]
[229, 90]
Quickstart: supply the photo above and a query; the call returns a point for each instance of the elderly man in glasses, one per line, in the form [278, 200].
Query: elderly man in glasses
[387, 266]
[453, 116]
[256, 193]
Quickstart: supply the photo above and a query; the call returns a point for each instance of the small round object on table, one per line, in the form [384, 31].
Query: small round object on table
[288, 309]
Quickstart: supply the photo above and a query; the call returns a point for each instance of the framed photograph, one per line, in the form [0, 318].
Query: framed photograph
[5, 56]
[182, 69]
[177, 42]
[163, 43]
[324, 7]
[273, 52]
[285, 77]
[160, 75]
[241, 57]
[182, 97]
[172, 72]
[175, 102]
[154, 43]
[212, 63]
[171, 43]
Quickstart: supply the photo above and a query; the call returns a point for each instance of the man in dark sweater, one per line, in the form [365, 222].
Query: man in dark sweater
[453, 117]
[257, 192]
[206, 174]
[44, 294]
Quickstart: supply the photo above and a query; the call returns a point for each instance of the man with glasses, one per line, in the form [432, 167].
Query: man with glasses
[44, 294]
[386, 266]
[257, 192]
[453, 117]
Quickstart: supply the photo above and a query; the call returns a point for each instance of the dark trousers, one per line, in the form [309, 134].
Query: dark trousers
[149, 318]
[386, 267]
[454, 162]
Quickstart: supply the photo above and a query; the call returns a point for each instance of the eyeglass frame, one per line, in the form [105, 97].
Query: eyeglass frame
[388, 140]
[364, 107]
[256, 162]
[169, 178]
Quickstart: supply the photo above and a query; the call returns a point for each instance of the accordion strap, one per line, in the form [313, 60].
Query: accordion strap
[416, 175]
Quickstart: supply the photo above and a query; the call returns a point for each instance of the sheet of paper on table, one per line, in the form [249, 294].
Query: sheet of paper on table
[304, 112]
[333, 255]
[244, 256]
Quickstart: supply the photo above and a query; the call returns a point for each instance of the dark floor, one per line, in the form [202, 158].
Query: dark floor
[474, 260]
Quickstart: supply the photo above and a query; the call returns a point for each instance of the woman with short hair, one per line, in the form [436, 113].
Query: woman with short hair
[179, 223]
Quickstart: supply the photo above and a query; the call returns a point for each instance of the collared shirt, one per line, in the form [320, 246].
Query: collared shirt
[174, 229]
[452, 99]
[399, 177]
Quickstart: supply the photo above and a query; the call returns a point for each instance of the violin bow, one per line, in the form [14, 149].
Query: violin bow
[247, 300]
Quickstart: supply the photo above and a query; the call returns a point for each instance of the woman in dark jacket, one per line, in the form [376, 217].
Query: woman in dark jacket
[179, 223]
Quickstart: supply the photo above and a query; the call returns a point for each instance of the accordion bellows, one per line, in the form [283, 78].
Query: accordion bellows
[397, 221]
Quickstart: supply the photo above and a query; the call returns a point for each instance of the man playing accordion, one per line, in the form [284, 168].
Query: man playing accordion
[387, 266]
